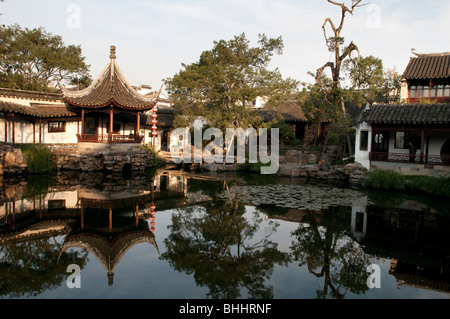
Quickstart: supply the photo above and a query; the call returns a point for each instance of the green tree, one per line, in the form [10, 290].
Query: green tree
[34, 59]
[369, 82]
[226, 80]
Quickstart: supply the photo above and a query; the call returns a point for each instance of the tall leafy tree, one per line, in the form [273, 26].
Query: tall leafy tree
[370, 83]
[226, 80]
[34, 59]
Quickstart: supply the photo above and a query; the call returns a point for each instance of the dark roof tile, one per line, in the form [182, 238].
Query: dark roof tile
[428, 66]
[290, 111]
[39, 110]
[408, 114]
[111, 87]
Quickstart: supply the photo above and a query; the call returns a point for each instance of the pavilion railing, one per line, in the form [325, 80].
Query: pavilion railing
[407, 158]
[106, 138]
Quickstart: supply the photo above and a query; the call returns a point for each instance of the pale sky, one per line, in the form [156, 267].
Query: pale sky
[153, 38]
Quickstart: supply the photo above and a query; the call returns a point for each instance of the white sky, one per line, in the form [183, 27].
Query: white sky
[154, 37]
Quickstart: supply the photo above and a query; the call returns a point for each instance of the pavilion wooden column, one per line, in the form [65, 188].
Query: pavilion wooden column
[110, 219]
[83, 122]
[6, 127]
[422, 146]
[111, 124]
[138, 126]
[82, 216]
[137, 215]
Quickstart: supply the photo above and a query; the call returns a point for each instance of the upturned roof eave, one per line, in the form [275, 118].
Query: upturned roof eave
[113, 89]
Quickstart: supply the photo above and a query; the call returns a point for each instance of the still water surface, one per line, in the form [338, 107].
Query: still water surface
[176, 235]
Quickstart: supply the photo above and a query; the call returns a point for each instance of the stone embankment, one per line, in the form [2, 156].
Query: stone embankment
[12, 160]
[110, 161]
[297, 164]
[74, 158]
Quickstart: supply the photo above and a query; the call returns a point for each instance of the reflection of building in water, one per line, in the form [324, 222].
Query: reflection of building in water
[411, 236]
[106, 222]
[359, 218]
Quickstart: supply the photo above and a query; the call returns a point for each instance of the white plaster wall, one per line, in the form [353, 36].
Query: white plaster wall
[148, 138]
[404, 91]
[436, 143]
[69, 136]
[71, 198]
[392, 148]
[359, 206]
[23, 132]
[363, 157]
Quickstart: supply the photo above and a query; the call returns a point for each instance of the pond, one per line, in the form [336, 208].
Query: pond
[180, 235]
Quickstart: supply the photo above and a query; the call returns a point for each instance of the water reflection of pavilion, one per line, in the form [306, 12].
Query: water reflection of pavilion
[106, 222]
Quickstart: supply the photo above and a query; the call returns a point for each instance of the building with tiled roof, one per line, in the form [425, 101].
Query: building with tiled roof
[108, 111]
[412, 137]
[427, 78]
[290, 112]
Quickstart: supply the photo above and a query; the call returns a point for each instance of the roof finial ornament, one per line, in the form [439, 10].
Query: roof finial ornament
[113, 52]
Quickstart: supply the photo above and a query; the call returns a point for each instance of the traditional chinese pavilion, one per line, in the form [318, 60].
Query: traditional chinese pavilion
[110, 107]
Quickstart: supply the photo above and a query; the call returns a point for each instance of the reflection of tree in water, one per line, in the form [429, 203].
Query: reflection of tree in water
[322, 245]
[30, 268]
[217, 245]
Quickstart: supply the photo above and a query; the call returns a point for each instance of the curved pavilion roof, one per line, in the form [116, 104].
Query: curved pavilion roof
[109, 253]
[111, 88]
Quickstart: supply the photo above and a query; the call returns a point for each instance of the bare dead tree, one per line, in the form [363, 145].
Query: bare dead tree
[334, 44]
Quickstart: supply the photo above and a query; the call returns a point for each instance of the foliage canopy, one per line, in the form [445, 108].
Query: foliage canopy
[34, 59]
[226, 80]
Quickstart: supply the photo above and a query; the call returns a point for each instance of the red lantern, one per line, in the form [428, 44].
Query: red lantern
[154, 122]
[152, 217]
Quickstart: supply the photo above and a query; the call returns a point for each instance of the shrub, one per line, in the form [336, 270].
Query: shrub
[39, 159]
[386, 179]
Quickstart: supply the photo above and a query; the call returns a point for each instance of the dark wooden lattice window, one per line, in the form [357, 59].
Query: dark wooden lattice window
[57, 127]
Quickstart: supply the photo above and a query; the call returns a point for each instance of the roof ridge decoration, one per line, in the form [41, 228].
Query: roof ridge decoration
[30, 95]
[111, 88]
[428, 66]
[419, 55]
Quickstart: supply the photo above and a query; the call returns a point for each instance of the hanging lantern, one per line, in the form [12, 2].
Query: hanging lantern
[152, 218]
[154, 122]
